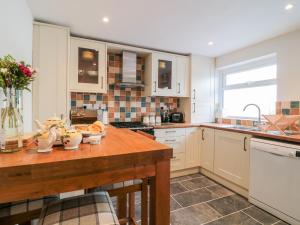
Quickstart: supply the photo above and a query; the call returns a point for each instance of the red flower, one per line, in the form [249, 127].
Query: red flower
[25, 70]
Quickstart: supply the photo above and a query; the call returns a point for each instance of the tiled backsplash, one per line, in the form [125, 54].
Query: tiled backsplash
[282, 107]
[124, 104]
[288, 107]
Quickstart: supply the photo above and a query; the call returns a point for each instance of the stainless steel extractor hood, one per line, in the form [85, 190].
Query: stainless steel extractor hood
[129, 70]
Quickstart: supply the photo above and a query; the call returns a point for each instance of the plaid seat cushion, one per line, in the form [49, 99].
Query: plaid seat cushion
[14, 208]
[90, 209]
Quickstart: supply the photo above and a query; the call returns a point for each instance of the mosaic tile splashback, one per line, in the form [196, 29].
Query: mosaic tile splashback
[123, 103]
[288, 107]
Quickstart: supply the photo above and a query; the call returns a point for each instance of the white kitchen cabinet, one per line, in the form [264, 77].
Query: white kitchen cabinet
[232, 157]
[50, 58]
[207, 154]
[193, 147]
[183, 76]
[202, 89]
[167, 75]
[199, 107]
[88, 67]
[160, 76]
[176, 139]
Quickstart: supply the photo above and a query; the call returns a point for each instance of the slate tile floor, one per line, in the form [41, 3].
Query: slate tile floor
[196, 200]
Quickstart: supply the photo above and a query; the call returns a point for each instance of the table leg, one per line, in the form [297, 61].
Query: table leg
[160, 194]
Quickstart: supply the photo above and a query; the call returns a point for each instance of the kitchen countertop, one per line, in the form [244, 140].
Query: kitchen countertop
[263, 134]
[117, 142]
[175, 125]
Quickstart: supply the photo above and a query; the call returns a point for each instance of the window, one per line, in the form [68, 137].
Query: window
[253, 82]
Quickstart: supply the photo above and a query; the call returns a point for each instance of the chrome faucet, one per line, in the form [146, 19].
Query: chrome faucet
[259, 111]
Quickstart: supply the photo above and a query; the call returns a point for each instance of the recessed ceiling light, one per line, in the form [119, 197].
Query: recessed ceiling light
[105, 19]
[289, 6]
[210, 43]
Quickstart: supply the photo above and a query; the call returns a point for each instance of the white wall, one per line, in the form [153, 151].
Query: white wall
[287, 48]
[16, 40]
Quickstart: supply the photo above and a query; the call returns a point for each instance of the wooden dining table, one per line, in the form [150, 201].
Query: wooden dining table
[122, 155]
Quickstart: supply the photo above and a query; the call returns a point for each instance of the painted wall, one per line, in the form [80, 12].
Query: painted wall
[287, 47]
[16, 39]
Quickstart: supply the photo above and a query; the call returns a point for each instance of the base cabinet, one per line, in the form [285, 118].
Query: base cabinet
[193, 145]
[176, 139]
[207, 148]
[232, 157]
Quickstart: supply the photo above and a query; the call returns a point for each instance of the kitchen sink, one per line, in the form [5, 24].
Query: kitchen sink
[241, 127]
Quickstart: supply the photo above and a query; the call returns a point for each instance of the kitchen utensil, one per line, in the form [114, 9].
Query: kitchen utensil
[146, 120]
[71, 139]
[176, 117]
[157, 120]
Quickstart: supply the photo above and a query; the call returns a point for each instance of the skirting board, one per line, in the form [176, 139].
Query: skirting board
[226, 183]
[185, 172]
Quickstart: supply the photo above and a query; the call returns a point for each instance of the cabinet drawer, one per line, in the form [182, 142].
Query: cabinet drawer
[175, 132]
[177, 143]
[178, 161]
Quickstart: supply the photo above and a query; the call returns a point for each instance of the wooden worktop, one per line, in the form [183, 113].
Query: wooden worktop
[118, 143]
[288, 138]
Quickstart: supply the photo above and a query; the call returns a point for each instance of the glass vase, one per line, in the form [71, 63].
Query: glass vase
[11, 122]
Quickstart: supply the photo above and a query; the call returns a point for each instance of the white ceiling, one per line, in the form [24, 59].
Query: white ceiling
[183, 26]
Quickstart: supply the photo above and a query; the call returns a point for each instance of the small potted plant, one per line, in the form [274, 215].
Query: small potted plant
[14, 78]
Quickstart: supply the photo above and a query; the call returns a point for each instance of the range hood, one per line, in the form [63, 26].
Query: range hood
[129, 70]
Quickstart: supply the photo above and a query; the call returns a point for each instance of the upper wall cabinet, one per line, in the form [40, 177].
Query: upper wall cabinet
[50, 58]
[166, 75]
[88, 66]
[183, 76]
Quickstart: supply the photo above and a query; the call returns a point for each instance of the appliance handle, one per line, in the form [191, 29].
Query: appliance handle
[273, 149]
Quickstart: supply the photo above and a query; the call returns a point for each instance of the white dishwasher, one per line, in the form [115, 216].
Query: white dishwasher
[275, 178]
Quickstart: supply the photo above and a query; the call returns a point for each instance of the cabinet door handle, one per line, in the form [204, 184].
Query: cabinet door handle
[154, 86]
[202, 134]
[171, 140]
[194, 94]
[245, 139]
[194, 110]
[102, 83]
[174, 157]
[171, 131]
[178, 88]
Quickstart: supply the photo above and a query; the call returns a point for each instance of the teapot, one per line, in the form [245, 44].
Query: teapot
[59, 124]
[45, 139]
[71, 139]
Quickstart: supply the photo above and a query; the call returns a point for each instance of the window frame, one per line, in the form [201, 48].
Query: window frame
[240, 67]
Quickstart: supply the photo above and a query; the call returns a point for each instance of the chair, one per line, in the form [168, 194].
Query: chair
[22, 212]
[89, 209]
[125, 194]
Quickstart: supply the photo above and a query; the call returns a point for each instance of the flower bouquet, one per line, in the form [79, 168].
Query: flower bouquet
[14, 78]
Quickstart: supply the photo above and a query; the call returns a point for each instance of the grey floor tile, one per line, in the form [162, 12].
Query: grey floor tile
[229, 204]
[261, 215]
[177, 188]
[220, 190]
[194, 197]
[194, 215]
[198, 183]
[174, 205]
[281, 223]
[238, 218]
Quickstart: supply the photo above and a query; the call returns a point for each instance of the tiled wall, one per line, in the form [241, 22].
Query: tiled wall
[124, 104]
[282, 107]
[288, 108]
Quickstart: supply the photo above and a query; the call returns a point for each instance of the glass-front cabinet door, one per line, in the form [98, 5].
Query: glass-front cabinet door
[164, 74]
[87, 66]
